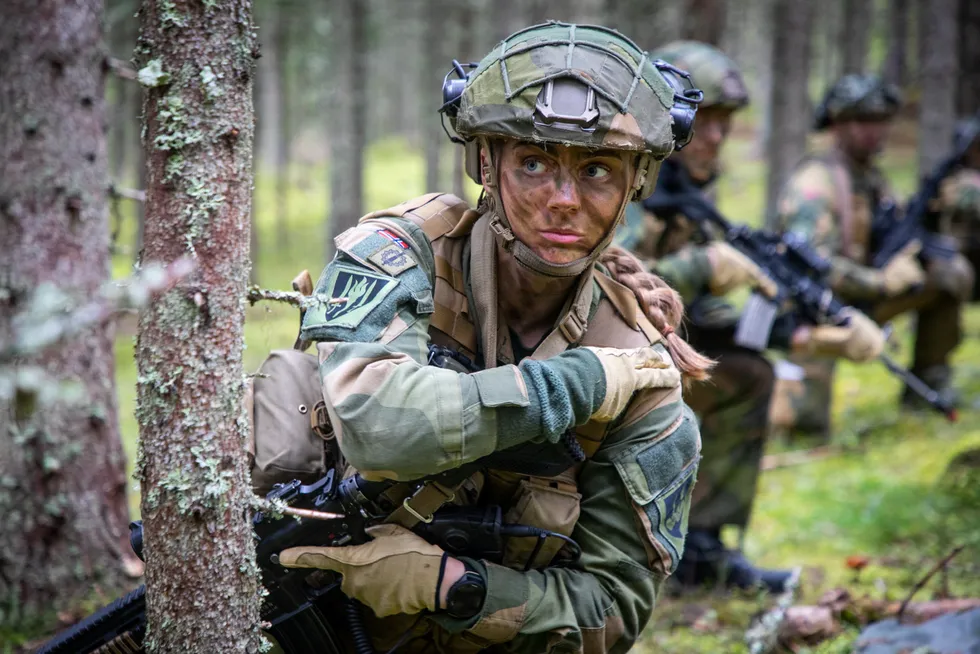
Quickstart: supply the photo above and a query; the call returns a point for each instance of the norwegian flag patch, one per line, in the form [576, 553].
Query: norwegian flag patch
[394, 238]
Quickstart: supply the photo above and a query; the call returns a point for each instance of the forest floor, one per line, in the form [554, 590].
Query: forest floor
[884, 495]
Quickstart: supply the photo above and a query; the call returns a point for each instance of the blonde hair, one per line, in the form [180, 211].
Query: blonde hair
[662, 305]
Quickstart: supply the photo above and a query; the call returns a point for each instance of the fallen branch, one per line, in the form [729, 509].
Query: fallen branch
[122, 69]
[763, 636]
[49, 320]
[798, 457]
[127, 193]
[811, 624]
[941, 565]
[256, 294]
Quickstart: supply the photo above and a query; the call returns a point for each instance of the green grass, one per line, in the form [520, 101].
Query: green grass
[887, 497]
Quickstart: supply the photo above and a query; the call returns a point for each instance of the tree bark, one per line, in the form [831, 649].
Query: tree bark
[704, 20]
[896, 67]
[349, 123]
[196, 58]
[968, 87]
[857, 29]
[63, 490]
[789, 103]
[938, 65]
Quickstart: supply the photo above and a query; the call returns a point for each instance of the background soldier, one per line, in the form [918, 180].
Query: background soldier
[733, 407]
[830, 199]
[959, 203]
[559, 155]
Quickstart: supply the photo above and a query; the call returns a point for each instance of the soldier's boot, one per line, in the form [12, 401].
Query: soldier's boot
[936, 377]
[706, 561]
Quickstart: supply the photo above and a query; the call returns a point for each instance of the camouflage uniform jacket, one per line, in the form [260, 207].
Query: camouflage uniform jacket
[831, 203]
[403, 277]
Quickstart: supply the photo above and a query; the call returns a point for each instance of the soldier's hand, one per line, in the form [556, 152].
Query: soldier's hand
[627, 371]
[397, 572]
[730, 269]
[903, 272]
[860, 340]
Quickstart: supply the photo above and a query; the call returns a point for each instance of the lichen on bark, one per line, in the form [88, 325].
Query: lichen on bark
[202, 582]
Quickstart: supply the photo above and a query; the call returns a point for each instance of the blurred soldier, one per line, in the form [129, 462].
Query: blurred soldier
[959, 204]
[733, 406]
[571, 335]
[831, 199]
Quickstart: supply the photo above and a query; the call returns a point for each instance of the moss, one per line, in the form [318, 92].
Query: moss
[212, 88]
[175, 132]
[170, 16]
[152, 75]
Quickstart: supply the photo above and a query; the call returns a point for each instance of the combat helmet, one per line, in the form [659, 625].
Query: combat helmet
[711, 70]
[857, 96]
[574, 85]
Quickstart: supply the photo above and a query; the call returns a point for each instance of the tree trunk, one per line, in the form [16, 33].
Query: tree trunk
[283, 145]
[790, 103]
[267, 82]
[465, 50]
[63, 490]
[704, 20]
[201, 577]
[349, 135]
[507, 17]
[937, 57]
[968, 89]
[896, 68]
[857, 29]
[430, 96]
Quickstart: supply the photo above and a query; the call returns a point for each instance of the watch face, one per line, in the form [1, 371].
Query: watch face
[465, 597]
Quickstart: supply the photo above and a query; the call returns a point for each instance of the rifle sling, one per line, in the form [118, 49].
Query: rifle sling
[428, 499]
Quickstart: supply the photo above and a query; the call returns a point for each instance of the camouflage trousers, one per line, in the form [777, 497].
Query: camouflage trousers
[803, 406]
[733, 410]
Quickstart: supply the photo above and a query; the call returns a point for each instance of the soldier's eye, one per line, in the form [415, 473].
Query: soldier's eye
[533, 166]
[596, 171]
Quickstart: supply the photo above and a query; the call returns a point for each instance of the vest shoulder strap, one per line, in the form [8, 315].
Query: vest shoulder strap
[436, 214]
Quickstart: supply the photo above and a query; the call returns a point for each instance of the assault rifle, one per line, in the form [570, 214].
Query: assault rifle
[799, 272]
[305, 609]
[891, 232]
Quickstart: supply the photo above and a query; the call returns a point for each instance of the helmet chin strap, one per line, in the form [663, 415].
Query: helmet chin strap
[505, 236]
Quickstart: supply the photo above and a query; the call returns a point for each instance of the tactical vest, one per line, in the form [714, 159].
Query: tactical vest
[856, 200]
[547, 502]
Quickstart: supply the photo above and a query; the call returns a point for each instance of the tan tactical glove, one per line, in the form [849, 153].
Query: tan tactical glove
[397, 572]
[730, 269]
[903, 272]
[628, 371]
[861, 340]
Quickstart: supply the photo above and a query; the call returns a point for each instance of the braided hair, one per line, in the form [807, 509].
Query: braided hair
[662, 305]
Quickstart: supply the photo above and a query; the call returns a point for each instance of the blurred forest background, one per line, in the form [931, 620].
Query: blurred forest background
[345, 103]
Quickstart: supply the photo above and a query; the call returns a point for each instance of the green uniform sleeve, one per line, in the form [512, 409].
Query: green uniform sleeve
[687, 271]
[397, 417]
[808, 205]
[636, 495]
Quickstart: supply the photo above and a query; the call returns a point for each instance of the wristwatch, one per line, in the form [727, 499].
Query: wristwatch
[465, 597]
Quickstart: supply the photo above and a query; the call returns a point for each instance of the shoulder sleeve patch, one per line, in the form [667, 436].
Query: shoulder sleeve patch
[353, 293]
[393, 259]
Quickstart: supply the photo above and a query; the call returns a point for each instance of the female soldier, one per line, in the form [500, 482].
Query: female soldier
[564, 126]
